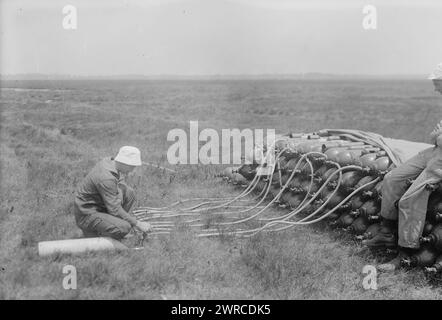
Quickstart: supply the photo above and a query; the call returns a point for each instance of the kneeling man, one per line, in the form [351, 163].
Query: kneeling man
[103, 200]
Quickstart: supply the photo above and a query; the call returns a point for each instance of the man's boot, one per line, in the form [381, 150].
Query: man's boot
[395, 263]
[386, 237]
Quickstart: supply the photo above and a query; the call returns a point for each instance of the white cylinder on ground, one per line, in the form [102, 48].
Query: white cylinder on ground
[73, 246]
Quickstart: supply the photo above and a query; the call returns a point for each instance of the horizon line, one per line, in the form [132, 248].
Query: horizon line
[305, 75]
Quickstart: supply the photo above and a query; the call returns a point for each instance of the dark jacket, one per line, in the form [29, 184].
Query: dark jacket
[99, 192]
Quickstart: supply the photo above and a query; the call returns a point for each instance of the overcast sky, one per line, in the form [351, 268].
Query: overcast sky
[206, 37]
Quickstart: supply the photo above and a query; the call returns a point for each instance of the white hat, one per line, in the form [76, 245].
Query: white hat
[437, 74]
[129, 155]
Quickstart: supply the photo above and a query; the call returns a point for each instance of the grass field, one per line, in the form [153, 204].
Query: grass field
[51, 138]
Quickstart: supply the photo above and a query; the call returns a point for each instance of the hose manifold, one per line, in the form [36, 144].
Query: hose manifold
[432, 186]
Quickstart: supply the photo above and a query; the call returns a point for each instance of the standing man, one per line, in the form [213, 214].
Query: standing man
[103, 201]
[438, 85]
[436, 77]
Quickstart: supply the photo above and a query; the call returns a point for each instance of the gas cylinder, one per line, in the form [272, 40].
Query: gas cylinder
[260, 185]
[305, 185]
[334, 216]
[76, 246]
[371, 231]
[374, 193]
[315, 148]
[289, 154]
[436, 267]
[332, 153]
[344, 221]
[325, 192]
[238, 179]
[434, 238]
[317, 160]
[282, 162]
[309, 208]
[321, 171]
[285, 197]
[274, 190]
[331, 144]
[359, 226]
[295, 183]
[367, 160]
[374, 218]
[370, 208]
[355, 203]
[284, 178]
[350, 179]
[328, 173]
[293, 146]
[294, 135]
[341, 145]
[334, 138]
[299, 188]
[248, 171]
[294, 200]
[313, 136]
[371, 149]
[305, 168]
[364, 181]
[428, 227]
[334, 143]
[290, 165]
[337, 198]
[382, 163]
[361, 149]
[434, 209]
[425, 257]
[311, 146]
[227, 173]
[303, 146]
[276, 179]
[347, 157]
[317, 183]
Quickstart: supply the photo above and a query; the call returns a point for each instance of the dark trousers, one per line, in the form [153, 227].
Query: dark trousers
[99, 224]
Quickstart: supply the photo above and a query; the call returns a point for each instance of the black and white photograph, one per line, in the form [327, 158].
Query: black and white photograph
[216, 156]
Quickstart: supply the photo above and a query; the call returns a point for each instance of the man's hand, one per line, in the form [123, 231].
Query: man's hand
[437, 130]
[144, 226]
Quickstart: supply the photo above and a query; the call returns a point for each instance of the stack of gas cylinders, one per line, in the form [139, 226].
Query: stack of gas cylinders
[359, 216]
